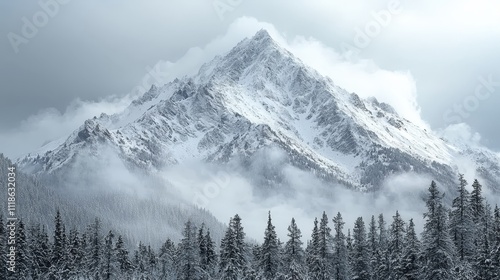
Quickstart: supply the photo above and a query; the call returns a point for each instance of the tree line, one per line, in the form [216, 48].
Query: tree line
[461, 242]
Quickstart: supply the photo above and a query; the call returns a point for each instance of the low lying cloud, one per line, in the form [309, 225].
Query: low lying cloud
[51, 124]
[461, 133]
[225, 191]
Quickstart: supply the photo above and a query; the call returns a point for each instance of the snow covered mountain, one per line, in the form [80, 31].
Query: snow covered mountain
[260, 96]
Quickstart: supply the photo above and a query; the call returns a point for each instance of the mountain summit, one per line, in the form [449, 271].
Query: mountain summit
[259, 96]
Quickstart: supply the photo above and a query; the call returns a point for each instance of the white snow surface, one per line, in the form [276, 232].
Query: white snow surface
[258, 95]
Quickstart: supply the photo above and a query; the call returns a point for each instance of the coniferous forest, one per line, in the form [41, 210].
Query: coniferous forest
[461, 242]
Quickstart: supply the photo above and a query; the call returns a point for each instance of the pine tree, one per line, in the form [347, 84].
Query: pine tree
[477, 202]
[269, 258]
[350, 252]
[58, 268]
[166, 260]
[395, 247]
[461, 223]
[95, 246]
[496, 242]
[202, 247]
[189, 262]
[437, 245]
[39, 246]
[293, 258]
[484, 264]
[210, 255]
[312, 253]
[373, 240]
[3, 248]
[325, 248]
[360, 262]
[340, 255]
[151, 263]
[109, 257]
[75, 254]
[410, 264]
[23, 253]
[233, 250]
[381, 269]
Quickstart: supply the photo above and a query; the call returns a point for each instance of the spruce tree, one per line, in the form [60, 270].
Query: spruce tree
[189, 262]
[23, 253]
[75, 254]
[3, 248]
[210, 255]
[360, 263]
[484, 264]
[269, 258]
[461, 223]
[233, 250]
[312, 253]
[109, 257]
[340, 256]
[58, 261]
[395, 247]
[122, 258]
[166, 260]
[373, 247]
[410, 263]
[325, 247]
[293, 258]
[437, 246]
[95, 252]
[477, 202]
[381, 262]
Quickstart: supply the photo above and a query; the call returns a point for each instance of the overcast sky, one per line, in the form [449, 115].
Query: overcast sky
[65, 61]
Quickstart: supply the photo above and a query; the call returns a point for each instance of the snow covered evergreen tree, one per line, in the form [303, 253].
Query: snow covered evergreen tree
[380, 270]
[23, 254]
[74, 253]
[395, 247]
[95, 251]
[188, 257]
[437, 246]
[40, 248]
[233, 250]
[373, 247]
[3, 247]
[484, 265]
[58, 268]
[269, 257]
[293, 257]
[110, 267]
[122, 259]
[477, 202]
[208, 256]
[360, 260]
[410, 262]
[340, 256]
[461, 223]
[166, 267]
[312, 253]
[325, 249]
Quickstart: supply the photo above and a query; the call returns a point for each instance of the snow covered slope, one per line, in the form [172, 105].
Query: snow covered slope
[259, 95]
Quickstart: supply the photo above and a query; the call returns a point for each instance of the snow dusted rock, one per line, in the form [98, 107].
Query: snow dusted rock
[256, 96]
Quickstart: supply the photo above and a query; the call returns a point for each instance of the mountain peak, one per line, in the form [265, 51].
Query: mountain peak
[262, 35]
